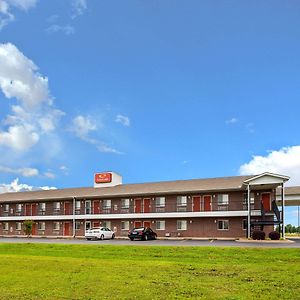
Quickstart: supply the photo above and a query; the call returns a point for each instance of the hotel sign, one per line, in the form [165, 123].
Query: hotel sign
[103, 177]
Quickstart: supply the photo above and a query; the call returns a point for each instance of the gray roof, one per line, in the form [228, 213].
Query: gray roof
[128, 190]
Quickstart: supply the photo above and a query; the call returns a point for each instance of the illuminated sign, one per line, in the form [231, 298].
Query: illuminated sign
[103, 177]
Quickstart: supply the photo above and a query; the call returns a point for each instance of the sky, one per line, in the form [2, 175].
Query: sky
[154, 90]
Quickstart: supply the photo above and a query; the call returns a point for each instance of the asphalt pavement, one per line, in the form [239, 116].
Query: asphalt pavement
[291, 243]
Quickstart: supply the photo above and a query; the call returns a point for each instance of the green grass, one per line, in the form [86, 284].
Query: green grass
[55, 271]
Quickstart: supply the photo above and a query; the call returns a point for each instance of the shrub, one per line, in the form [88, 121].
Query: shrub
[27, 227]
[258, 235]
[274, 235]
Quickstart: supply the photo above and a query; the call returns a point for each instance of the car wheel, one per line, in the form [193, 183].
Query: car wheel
[102, 237]
[88, 239]
[131, 239]
[113, 236]
[146, 238]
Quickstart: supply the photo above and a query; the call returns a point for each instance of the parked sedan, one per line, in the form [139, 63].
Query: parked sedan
[99, 233]
[142, 233]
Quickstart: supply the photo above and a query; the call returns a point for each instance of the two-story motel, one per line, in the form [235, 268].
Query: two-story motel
[213, 207]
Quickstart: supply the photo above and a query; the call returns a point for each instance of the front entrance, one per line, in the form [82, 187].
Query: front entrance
[137, 224]
[96, 207]
[196, 203]
[147, 223]
[138, 205]
[147, 205]
[207, 203]
[33, 209]
[33, 229]
[27, 209]
[67, 208]
[66, 228]
[266, 203]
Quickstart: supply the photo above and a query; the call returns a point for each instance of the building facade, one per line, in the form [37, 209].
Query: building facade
[226, 207]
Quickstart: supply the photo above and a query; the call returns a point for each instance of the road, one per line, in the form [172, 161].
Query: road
[198, 243]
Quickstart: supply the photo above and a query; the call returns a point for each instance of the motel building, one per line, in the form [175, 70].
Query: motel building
[225, 207]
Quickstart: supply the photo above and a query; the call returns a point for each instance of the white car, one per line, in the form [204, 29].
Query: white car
[99, 233]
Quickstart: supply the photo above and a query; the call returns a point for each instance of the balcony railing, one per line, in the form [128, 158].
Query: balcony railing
[171, 205]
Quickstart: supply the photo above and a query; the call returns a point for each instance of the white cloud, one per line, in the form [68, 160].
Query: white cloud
[49, 175]
[232, 121]
[19, 78]
[125, 121]
[64, 169]
[79, 7]
[6, 7]
[34, 114]
[66, 29]
[15, 186]
[26, 172]
[82, 126]
[285, 161]
[106, 149]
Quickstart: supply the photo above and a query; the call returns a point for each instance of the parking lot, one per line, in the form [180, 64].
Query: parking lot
[292, 243]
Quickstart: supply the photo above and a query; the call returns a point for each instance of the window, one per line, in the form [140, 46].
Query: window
[42, 208]
[124, 225]
[56, 206]
[160, 201]
[245, 224]
[106, 224]
[6, 208]
[223, 225]
[77, 207]
[125, 203]
[223, 199]
[181, 200]
[245, 201]
[5, 226]
[181, 224]
[56, 225]
[41, 226]
[106, 204]
[88, 225]
[160, 225]
[88, 207]
[18, 226]
[77, 225]
[18, 208]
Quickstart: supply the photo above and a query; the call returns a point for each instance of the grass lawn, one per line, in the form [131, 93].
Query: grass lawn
[55, 271]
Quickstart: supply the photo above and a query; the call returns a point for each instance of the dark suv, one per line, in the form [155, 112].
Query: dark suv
[142, 233]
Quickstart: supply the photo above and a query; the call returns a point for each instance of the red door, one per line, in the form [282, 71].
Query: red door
[207, 203]
[96, 224]
[33, 229]
[33, 209]
[196, 202]
[66, 228]
[147, 205]
[137, 224]
[96, 207]
[265, 199]
[138, 205]
[27, 209]
[67, 208]
[147, 224]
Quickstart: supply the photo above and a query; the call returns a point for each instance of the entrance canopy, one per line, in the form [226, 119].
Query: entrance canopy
[266, 181]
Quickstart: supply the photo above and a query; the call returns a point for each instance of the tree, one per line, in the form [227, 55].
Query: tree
[27, 227]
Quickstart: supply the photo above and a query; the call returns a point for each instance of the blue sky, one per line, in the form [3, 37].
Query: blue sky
[155, 90]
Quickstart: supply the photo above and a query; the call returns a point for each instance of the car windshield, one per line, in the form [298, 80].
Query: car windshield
[139, 229]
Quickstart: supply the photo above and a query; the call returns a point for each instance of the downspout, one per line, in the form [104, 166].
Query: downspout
[249, 211]
[282, 210]
[74, 228]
